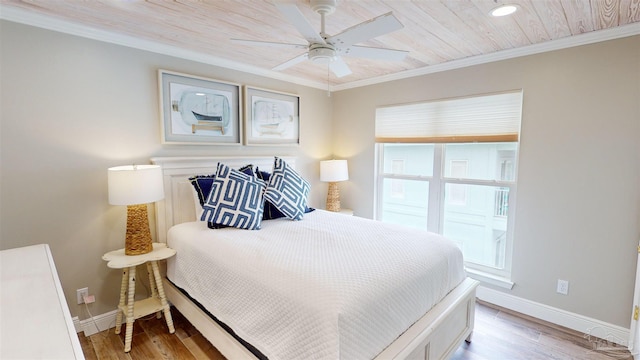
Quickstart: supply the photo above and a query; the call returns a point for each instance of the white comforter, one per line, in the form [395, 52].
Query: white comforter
[327, 287]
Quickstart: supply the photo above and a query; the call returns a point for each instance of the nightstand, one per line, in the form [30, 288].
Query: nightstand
[346, 212]
[156, 303]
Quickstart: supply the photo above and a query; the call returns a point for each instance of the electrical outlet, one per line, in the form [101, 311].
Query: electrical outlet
[563, 287]
[81, 293]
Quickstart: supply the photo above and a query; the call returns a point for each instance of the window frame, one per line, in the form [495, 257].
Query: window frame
[436, 207]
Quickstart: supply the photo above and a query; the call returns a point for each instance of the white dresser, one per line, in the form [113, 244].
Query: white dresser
[35, 322]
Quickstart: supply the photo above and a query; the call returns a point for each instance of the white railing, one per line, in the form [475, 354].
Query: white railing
[501, 205]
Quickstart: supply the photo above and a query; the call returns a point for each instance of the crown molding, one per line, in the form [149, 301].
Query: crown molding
[50, 23]
[559, 44]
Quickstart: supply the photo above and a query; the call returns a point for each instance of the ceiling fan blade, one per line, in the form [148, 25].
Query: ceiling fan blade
[377, 26]
[270, 44]
[373, 53]
[289, 63]
[339, 67]
[297, 19]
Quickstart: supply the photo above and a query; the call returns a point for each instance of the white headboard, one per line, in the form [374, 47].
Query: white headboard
[178, 205]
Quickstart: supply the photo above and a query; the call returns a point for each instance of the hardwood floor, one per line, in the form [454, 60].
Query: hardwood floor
[503, 334]
[499, 334]
[151, 340]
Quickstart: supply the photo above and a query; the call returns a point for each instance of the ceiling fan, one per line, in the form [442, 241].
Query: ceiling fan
[325, 49]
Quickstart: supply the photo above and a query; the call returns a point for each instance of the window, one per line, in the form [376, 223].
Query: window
[410, 208]
[397, 186]
[458, 192]
[454, 162]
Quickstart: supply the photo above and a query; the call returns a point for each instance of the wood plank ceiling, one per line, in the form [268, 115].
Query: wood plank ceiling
[435, 31]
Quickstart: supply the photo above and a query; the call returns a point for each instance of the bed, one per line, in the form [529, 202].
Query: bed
[356, 301]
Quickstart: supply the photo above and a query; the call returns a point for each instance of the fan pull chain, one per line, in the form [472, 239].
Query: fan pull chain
[328, 85]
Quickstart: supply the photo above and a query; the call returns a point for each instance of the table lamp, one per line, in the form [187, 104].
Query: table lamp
[333, 171]
[136, 186]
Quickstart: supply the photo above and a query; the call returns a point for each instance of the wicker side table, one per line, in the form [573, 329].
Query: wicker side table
[156, 303]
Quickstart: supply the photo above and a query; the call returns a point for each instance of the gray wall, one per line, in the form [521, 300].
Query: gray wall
[578, 197]
[73, 107]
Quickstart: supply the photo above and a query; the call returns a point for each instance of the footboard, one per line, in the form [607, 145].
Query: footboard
[439, 333]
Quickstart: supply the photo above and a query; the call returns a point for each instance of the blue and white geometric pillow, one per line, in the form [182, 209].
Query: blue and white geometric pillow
[287, 190]
[270, 211]
[235, 200]
[202, 187]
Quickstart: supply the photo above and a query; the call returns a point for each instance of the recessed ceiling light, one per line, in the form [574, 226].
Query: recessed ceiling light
[504, 10]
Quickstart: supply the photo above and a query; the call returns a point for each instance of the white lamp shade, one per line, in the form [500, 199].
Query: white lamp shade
[334, 170]
[135, 184]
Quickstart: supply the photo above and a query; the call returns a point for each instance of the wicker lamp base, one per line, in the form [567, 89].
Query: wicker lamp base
[333, 197]
[138, 238]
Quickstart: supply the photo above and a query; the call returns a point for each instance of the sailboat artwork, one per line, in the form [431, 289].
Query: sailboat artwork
[197, 110]
[202, 110]
[271, 117]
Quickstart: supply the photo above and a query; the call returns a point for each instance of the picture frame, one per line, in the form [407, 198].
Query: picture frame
[272, 117]
[196, 110]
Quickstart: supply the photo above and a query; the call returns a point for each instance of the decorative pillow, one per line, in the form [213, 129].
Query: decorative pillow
[287, 190]
[247, 169]
[202, 187]
[235, 200]
[270, 210]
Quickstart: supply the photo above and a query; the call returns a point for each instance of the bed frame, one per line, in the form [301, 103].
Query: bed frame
[436, 335]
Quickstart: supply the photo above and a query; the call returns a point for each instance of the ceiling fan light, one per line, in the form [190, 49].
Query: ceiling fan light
[321, 60]
[322, 55]
[504, 10]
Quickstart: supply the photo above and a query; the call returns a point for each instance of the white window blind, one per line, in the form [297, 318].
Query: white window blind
[487, 118]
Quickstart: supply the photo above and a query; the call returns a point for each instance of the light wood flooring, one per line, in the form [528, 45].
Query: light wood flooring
[499, 335]
[151, 340]
[503, 334]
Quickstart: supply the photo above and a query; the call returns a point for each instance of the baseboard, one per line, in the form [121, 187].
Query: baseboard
[588, 326]
[96, 324]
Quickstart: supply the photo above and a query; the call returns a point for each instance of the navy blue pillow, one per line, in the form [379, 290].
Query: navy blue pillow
[247, 169]
[202, 185]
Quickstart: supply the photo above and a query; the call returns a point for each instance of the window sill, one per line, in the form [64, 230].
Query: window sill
[490, 279]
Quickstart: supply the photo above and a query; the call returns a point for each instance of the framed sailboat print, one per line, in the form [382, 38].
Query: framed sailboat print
[199, 111]
[272, 118]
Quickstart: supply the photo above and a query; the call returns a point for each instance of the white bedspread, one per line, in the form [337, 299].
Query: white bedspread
[329, 286]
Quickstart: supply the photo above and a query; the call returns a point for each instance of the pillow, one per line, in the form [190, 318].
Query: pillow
[247, 169]
[202, 187]
[235, 200]
[287, 190]
[270, 211]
